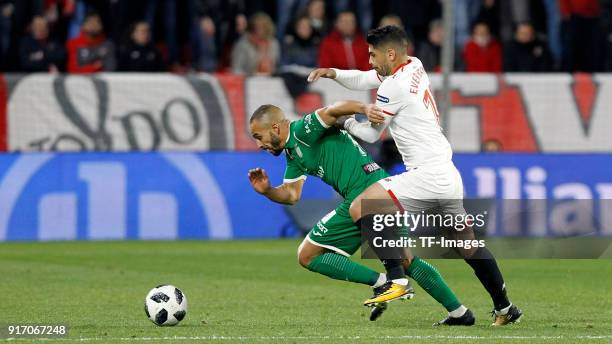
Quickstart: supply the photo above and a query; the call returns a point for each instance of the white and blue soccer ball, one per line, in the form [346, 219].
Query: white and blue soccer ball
[166, 305]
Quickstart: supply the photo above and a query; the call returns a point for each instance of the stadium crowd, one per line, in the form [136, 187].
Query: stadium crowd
[265, 37]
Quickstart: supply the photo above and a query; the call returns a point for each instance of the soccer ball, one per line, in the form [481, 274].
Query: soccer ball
[166, 305]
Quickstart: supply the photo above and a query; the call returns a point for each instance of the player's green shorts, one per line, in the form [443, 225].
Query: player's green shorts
[337, 231]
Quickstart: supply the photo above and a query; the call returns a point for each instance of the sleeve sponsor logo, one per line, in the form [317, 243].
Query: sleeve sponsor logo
[370, 168]
[382, 98]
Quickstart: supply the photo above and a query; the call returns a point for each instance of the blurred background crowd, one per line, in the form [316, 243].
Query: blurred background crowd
[269, 37]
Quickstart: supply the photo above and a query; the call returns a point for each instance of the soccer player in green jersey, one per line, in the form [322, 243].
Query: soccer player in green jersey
[313, 146]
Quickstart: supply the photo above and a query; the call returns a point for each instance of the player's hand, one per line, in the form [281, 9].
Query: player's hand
[259, 180]
[375, 114]
[340, 121]
[321, 73]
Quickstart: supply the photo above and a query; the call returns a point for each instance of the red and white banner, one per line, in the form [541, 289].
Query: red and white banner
[140, 112]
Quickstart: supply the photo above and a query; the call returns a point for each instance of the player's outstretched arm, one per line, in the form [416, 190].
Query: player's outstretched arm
[331, 113]
[287, 193]
[366, 131]
[319, 73]
[351, 79]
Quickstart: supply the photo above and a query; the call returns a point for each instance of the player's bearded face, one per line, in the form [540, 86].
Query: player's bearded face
[378, 60]
[267, 138]
[275, 144]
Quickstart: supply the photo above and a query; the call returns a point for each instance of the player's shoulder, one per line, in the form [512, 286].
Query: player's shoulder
[416, 62]
[391, 84]
[391, 88]
[402, 79]
[310, 124]
[407, 70]
[310, 119]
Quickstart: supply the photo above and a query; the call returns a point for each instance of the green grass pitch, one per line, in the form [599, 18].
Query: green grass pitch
[254, 291]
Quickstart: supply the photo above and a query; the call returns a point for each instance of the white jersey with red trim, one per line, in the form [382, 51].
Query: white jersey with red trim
[413, 120]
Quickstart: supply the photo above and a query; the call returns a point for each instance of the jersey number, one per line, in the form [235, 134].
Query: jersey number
[430, 104]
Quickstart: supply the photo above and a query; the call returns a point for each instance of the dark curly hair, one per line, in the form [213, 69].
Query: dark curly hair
[388, 35]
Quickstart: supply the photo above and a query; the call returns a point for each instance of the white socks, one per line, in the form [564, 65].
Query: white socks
[458, 312]
[401, 281]
[503, 311]
[382, 279]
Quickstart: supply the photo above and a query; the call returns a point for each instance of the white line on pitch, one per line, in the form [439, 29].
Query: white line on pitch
[283, 338]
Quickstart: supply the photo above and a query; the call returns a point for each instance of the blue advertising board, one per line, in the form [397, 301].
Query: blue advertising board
[99, 196]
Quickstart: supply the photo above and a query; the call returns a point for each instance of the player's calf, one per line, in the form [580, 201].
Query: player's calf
[334, 265]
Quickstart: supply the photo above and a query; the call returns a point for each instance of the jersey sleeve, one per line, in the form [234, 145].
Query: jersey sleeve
[366, 131]
[358, 80]
[309, 129]
[391, 97]
[293, 172]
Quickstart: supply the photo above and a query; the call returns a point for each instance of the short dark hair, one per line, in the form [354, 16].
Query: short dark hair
[263, 111]
[387, 35]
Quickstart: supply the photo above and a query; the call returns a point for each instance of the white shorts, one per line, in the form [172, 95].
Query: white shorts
[426, 187]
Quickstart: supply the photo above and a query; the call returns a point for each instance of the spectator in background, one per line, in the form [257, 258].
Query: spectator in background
[345, 47]
[316, 12]
[395, 20]
[301, 47]
[491, 146]
[430, 50]
[465, 14]
[205, 45]
[229, 23]
[526, 53]
[90, 52]
[416, 15]
[482, 52]
[300, 52]
[391, 20]
[7, 9]
[553, 28]
[237, 29]
[501, 16]
[169, 21]
[36, 52]
[58, 14]
[362, 9]
[138, 54]
[489, 13]
[257, 51]
[582, 43]
[286, 11]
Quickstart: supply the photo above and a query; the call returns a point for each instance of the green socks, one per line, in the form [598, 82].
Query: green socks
[430, 279]
[342, 268]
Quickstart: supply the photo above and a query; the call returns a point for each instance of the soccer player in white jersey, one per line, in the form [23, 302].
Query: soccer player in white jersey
[407, 108]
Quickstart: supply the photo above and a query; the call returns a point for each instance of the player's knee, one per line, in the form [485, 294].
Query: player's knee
[303, 256]
[304, 259]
